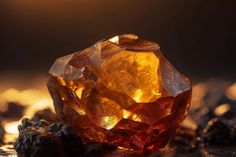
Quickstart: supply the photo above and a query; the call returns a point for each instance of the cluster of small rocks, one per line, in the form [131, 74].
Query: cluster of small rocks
[43, 138]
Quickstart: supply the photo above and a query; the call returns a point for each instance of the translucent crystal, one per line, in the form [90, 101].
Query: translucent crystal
[120, 91]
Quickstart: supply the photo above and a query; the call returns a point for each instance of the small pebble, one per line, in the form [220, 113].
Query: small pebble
[216, 133]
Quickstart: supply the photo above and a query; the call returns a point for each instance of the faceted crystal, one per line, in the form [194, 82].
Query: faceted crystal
[120, 91]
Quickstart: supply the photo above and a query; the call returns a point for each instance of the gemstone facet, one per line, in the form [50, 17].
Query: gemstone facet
[120, 91]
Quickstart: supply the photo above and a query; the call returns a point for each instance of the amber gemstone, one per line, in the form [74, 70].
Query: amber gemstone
[120, 91]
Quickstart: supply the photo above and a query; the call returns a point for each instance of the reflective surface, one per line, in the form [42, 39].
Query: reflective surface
[121, 91]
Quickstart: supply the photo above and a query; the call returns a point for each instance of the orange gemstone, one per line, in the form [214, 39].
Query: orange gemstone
[120, 91]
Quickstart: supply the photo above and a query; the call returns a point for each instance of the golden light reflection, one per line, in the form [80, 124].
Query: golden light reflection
[136, 118]
[62, 81]
[109, 122]
[24, 97]
[115, 39]
[199, 91]
[79, 110]
[126, 114]
[140, 82]
[79, 91]
[222, 109]
[189, 123]
[33, 100]
[11, 129]
[131, 116]
[138, 95]
[231, 92]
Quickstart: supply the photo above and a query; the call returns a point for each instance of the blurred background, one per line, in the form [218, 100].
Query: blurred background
[197, 36]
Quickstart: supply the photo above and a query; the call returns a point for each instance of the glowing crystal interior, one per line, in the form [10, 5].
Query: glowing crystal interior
[120, 91]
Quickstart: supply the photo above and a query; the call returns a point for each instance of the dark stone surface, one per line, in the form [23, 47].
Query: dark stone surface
[216, 133]
[47, 139]
[46, 114]
[2, 132]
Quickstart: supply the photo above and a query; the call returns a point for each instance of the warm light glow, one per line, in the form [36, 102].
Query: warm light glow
[79, 110]
[115, 39]
[138, 95]
[11, 127]
[79, 91]
[136, 118]
[124, 149]
[199, 91]
[109, 122]
[24, 97]
[222, 109]
[189, 123]
[62, 81]
[33, 100]
[126, 114]
[131, 116]
[139, 68]
[231, 92]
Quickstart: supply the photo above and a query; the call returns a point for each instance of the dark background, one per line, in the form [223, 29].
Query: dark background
[197, 36]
